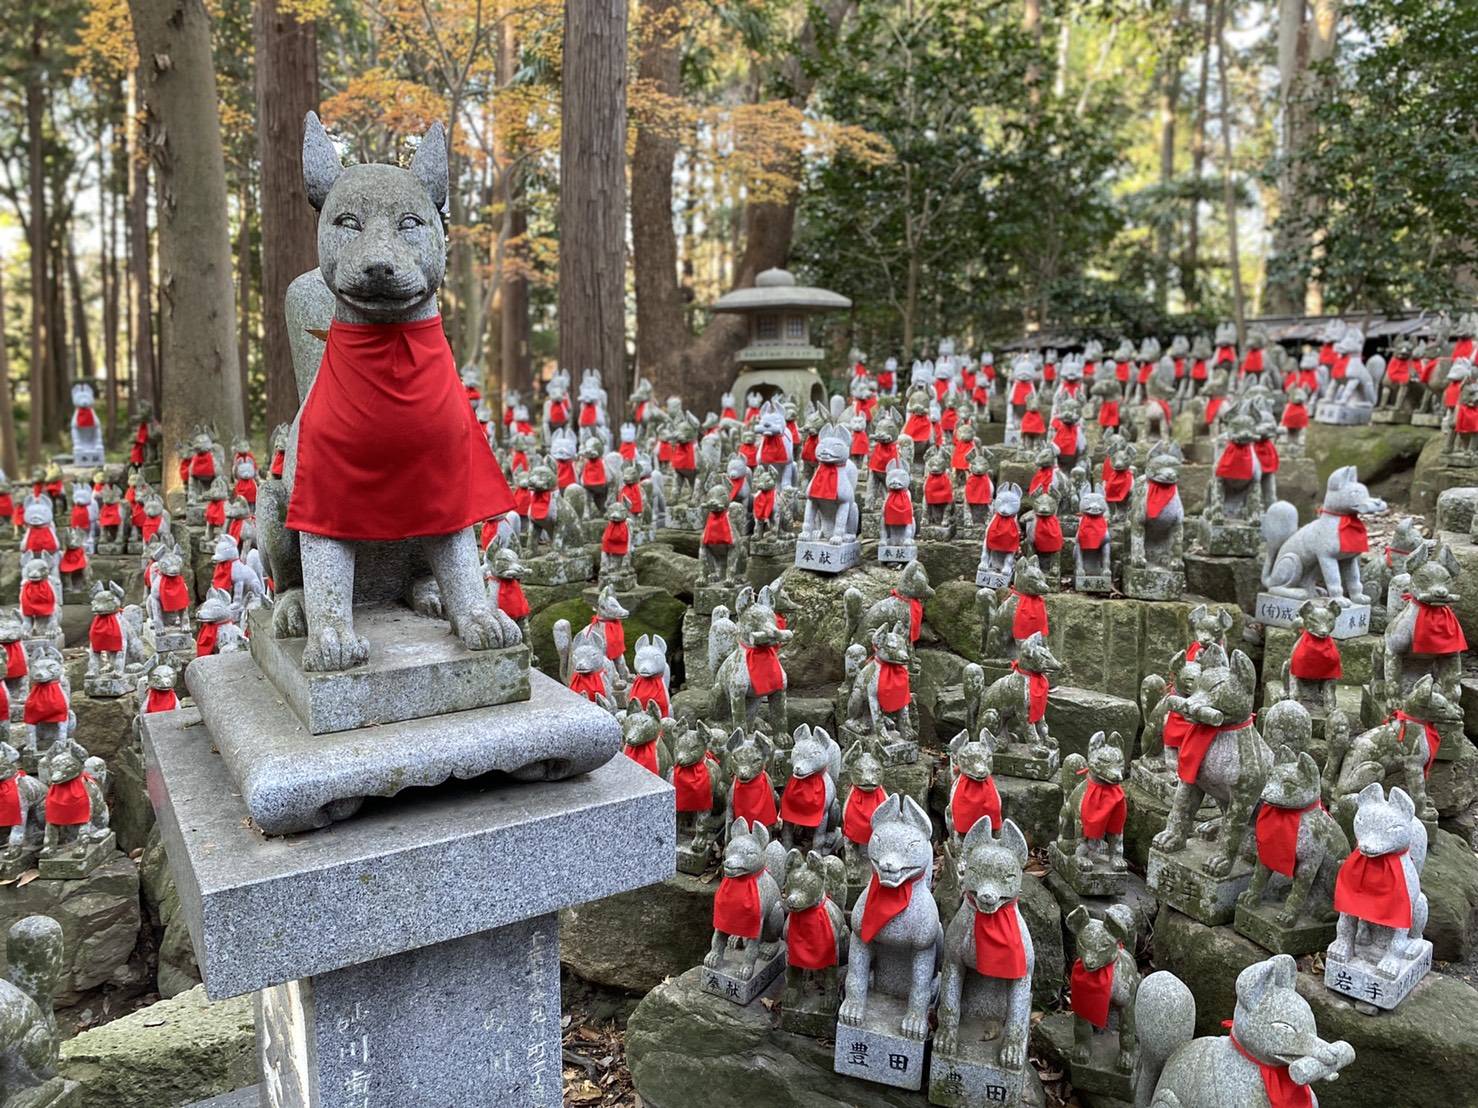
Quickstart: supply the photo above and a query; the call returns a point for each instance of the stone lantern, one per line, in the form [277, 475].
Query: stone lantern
[780, 356]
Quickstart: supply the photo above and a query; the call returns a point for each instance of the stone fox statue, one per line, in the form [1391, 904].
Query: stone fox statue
[1325, 552]
[358, 445]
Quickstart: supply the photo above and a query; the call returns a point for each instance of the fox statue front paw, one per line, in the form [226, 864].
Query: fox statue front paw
[332, 647]
[484, 627]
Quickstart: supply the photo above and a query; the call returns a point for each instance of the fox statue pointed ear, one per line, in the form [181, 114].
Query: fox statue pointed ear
[321, 162]
[429, 165]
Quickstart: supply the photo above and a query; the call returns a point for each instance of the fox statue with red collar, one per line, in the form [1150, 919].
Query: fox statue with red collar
[384, 420]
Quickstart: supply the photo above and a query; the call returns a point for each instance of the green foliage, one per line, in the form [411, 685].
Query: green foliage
[1394, 163]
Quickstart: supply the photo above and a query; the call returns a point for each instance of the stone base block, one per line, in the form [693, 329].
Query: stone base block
[973, 1076]
[1136, 896]
[1363, 983]
[1181, 881]
[57, 639]
[1229, 580]
[1230, 539]
[559, 567]
[1260, 923]
[416, 668]
[108, 686]
[1087, 878]
[725, 979]
[15, 860]
[1390, 415]
[808, 1004]
[1099, 1075]
[1093, 583]
[1019, 760]
[1148, 583]
[1282, 611]
[1342, 415]
[291, 780]
[78, 859]
[708, 597]
[1426, 419]
[876, 1051]
[897, 553]
[693, 861]
[827, 557]
[991, 579]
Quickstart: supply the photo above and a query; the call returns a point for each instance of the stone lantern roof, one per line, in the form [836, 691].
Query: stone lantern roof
[778, 309]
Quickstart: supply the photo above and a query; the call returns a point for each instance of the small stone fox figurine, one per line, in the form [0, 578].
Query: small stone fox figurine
[747, 914]
[1104, 979]
[881, 698]
[652, 681]
[75, 809]
[815, 931]
[1378, 894]
[1314, 667]
[751, 796]
[897, 520]
[1297, 840]
[1094, 809]
[895, 921]
[988, 953]
[1274, 1047]
[641, 739]
[810, 811]
[107, 636]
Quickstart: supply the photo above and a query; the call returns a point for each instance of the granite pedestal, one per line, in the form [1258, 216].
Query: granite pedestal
[409, 956]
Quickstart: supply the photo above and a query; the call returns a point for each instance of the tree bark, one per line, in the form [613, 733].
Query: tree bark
[140, 273]
[286, 90]
[243, 315]
[592, 197]
[86, 367]
[661, 333]
[1190, 278]
[1234, 259]
[182, 133]
[1170, 78]
[107, 198]
[40, 240]
[9, 455]
[516, 365]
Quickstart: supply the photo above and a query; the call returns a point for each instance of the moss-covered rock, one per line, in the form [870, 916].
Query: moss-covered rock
[1455, 508]
[104, 724]
[814, 655]
[637, 939]
[684, 542]
[951, 615]
[1420, 1053]
[130, 814]
[1450, 882]
[1044, 920]
[685, 1047]
[1358, 657]
[1466, 605]
[541, 631]
[178, 971]
[1432, 476]
[662, 567]
[654, 614]
[1376, 451]
[176, 1052]
[1074, 714]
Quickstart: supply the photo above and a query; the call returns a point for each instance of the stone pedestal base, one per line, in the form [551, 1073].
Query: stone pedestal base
[1087, 878]
[897, 553]
[1342, 415]
[1100, 1075]
[1181, 881]
[1149, 583]
[808, 1004]
[1282, 611]
[1093, 583]
[827, 557]
[1260, 923]
[708, 597]
[1230, 539]
[1426, 419]
[973, 1075]
[557, 567]
[724, 979]
[171, 642]
[1359, 980]
[1390, 415]
[76, 860]
[1019, 760]
[108, 686]
[56, 639]
[693, 861]
[987, 578]
[15, 860]
[876, 1051]
[896, 751]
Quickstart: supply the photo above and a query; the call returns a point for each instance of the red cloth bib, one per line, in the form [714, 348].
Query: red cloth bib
[615, 632]
[1374, 889]
[1315, 659]
[1213, 405]
[215, 513]
[1118, 484]
[824, 482]
[86, 417]
[1021, 393]
[773, 448]
[1091, 992]
[1467, 419]
[978, 489]
[46, 703]
[1104, 810]
[1041, 480]
[1437, 630]
[174, 594]
[246, 489]
[694, 786]
[649, 690]
[1066, 438]
[972, 799]
[559, 412]
[893, 692]
[386, 420]
[1295, 417]
[765, 674]
[1036, 693]
[1196, 742]
[593, 473]
[1157, 496]
[999, 951]
[511, 600]
[150, 526]
[1108, 413]
[161, 700]
[40, 540]
[883, 903]
[803, 801]
[67, 802]
[589, 685]
[10, 800]
[810, 943]
[643, 754]
[205, 639]
[1003, 534]
[938, 489]
[1235, 463]
[736, 907]
[857, 814]
[38, 598]
[1121, 372]
[1281, 1089]
[74, 560]
[220, 577]
[81, 518]
[749, 453]
[754, 800]
[882, 454]
[1092, 530]
[631, 495]
[564, 473]
[105, 634]
[616, 540]
[915, 614]
[717, 532]
[1434, 738]
[684, 456]
[1047, 535]
[1277, 836]
[203, 466]
[916, 427]
[808, 448]
[763, 505]
[898, 508]
[1031, 615]
[16, 663]
[1267, 455]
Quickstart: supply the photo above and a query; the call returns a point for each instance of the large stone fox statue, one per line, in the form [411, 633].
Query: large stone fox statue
[359, 515]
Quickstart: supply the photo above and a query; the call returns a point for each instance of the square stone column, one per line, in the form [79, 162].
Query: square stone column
[409, 954]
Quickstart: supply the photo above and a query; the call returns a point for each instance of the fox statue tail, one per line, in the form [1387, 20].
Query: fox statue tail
[1279, 523]
[1164, 1020]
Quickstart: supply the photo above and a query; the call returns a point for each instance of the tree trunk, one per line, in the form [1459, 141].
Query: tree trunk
[1031, 23]
[86, 368]
[1190, 280]
[107, 169]
[9, 455]
[286, 91]
[1228, 177]
[140, 274]
[39, 243]
[60, 367]
[182, 133]
[592, 197]
[1170, 77]
[243, 315]
[513, 301]
[661, 330]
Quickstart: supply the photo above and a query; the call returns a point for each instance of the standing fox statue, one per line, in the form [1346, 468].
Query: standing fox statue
[384, 418]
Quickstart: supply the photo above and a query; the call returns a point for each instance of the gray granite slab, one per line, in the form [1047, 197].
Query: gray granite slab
[416, 668]
[430, 866]
[1281, 611]
[827, 557]
[1358, 979]
[876, 1052]
[292, 780]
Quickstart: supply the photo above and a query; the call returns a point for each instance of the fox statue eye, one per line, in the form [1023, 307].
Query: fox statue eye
[349, 222]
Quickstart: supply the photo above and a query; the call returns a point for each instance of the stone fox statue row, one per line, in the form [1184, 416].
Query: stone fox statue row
[384, 421]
